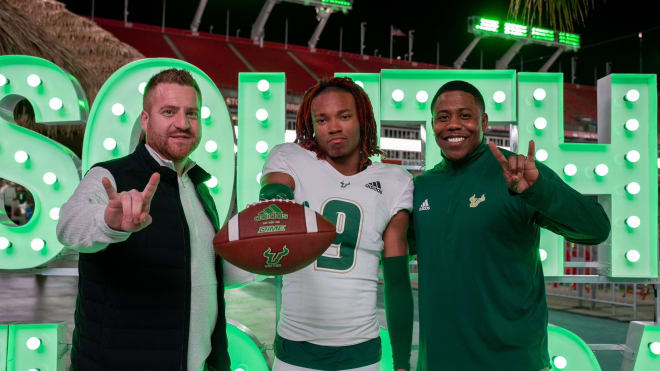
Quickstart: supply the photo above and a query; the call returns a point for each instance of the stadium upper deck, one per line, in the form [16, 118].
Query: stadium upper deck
[222, 58]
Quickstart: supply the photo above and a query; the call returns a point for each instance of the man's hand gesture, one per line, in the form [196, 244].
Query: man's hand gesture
[129, 211]
[520, 172]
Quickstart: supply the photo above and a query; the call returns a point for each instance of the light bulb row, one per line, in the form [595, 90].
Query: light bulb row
[632, 156]
[540, 123]
[632, 255]
[262, 116]
[422, 96]
[36, 244]
[632, 96]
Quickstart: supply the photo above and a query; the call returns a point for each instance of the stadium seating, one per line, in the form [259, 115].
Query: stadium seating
[274, 58]
[148, 40]
[322, 63]
[579, 104]
[212, 55]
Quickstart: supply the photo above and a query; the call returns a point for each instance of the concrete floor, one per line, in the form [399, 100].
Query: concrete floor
[50, 299]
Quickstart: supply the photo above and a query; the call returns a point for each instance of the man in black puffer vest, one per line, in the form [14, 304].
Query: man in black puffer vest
[150, 293]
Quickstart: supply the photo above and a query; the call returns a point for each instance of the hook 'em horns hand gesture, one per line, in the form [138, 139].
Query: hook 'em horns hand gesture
[129, 211]
[520, 172]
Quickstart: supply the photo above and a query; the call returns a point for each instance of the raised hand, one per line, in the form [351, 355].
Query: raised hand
[520, 172]
[129, 211]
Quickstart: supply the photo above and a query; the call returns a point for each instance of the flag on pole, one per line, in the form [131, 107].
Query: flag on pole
[397, 32]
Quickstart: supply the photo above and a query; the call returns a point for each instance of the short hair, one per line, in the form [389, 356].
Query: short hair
[365, 114]
[460, 85]
[172, 75]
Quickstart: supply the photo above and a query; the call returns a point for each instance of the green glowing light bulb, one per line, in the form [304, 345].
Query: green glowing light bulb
[211, 146]
[21, 156]
[55, 103]
[54, 213]
[206, 112]
[632, 156]
[37, 244]
[540, 123]
[632, 125]
[633, 256]
[632, 95]
[262, 114]
[570, 169]
[633, 188]
[4, 243]
[559, 362]
[539, 94]
[109, 144]
[422, 96]
[50, 178]
[34, 80]
[118, 109]
[654, 347]
[601, 170]
[499, 96]
[543, 254]
[263, 85]
[212, 183]
[33, 343]
[541, 155]
[398, 95]
[633, 221]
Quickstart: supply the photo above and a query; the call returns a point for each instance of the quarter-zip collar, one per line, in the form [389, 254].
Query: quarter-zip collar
[465, 161]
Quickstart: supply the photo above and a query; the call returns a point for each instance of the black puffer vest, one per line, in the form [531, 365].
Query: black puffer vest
[133, 306]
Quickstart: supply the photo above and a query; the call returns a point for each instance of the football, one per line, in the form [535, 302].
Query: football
[274, 237]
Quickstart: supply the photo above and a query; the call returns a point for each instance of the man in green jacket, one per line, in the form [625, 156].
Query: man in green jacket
[476, 218]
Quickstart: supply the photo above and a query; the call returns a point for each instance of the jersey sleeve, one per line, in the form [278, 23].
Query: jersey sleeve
[276, 161]
[404, 200]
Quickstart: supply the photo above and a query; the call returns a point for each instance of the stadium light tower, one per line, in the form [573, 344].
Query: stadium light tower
[523, 35]
[194, 26]
[324, 8]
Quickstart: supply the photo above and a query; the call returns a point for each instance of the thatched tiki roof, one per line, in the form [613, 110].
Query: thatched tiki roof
[45, 29]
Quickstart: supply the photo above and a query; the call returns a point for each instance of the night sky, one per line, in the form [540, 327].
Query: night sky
[610, 33]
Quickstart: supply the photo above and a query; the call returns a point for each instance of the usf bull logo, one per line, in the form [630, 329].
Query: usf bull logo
[273, 259]
[474, 201]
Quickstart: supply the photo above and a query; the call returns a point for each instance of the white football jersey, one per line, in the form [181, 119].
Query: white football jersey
[332, 301]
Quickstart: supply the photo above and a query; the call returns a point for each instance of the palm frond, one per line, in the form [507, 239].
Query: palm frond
[561, 15]
[46, 29]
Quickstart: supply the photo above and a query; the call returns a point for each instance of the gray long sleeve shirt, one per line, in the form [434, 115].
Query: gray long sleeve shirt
[82, 228]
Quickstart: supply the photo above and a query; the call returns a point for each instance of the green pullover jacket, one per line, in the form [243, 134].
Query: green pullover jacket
[482, 299]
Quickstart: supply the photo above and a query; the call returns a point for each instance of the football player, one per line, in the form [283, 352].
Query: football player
[328, 314]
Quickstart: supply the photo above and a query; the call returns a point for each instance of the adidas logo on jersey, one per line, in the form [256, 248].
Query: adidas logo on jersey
[425, 206]
[375, 186]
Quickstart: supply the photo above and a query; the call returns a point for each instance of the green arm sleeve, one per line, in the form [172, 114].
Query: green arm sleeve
[566, 211]
[275, 191]
[398, 308]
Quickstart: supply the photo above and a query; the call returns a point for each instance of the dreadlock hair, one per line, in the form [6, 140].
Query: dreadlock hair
[368, 135]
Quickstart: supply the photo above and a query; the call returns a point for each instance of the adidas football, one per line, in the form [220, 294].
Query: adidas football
[274, 237]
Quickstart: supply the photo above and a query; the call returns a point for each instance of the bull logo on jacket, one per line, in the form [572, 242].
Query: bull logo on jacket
[474, 201]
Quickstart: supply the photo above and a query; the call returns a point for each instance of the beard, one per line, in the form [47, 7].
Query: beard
[170, 148]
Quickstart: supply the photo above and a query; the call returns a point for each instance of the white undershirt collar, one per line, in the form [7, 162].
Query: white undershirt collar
[168, 163]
